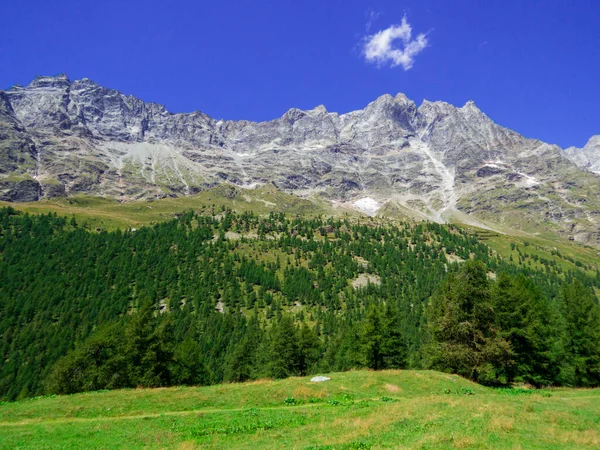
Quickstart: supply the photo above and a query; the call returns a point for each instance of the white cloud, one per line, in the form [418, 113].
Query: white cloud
[394, 46]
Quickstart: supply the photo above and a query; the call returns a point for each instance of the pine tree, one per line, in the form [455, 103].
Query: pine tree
[372, 340]
[529, 323]
[394, 342]
[462, 337]
[188, 367]
[96, 364]
[241, 362]
[284, 351]
[308, 347]
[148, 348]
[581, 315]
[381, 344]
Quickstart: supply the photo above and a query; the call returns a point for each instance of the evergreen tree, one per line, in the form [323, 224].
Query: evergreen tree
[394, 346]
[372, 353]
[381, 344]
[284, 351]
[241, 363]
[308, 349]
[582, 335]
[528, 323]
[188, 366]
[462, 336]
[149, 348]
[98, 363]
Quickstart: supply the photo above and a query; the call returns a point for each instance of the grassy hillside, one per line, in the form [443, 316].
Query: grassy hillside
[359, 409]
[109, 214]
[98, 213]
[536, 251]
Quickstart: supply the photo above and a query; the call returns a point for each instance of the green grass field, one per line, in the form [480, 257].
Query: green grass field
[359, 409]
[567, 255]
[109, 214]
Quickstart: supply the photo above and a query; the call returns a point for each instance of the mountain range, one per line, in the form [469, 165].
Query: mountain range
[434, 161]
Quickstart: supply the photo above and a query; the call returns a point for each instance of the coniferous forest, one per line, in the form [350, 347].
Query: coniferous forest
[213, 296]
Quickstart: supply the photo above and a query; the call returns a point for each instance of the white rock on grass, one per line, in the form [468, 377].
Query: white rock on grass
[319, 379]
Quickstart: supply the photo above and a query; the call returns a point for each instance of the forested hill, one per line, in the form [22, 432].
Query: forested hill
[218, 296]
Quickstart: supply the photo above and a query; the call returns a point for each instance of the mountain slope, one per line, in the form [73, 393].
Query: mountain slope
[432, 161]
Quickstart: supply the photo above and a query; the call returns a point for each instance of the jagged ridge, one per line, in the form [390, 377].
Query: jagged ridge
[437, 161]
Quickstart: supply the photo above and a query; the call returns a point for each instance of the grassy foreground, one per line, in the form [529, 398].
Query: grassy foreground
[360, 409]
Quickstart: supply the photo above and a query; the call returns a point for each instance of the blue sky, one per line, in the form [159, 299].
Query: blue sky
[533, 66]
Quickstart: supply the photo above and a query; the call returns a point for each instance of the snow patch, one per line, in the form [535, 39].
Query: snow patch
[367, 205]
[527, 180]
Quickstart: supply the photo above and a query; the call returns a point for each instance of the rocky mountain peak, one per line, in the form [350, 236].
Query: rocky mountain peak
[397, 109]
[470, 106]
[293, 114]
[86, 82]
[318, 110]
[588, 156]
[472, 113]
[388, 99]
[435, 161]
[428, 107]
[59, 81]
[402, 98]
[594, 142]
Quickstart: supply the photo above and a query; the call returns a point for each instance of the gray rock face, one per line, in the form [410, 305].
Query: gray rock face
[23, 190]
[587, 157]
[17, 150]
[434, 160]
